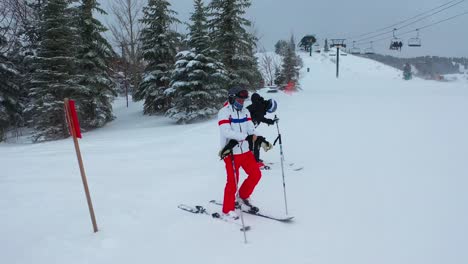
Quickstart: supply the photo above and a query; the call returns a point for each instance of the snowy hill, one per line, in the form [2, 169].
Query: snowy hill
[384, 181]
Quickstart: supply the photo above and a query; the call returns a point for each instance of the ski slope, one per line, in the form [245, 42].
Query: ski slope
[385, 181]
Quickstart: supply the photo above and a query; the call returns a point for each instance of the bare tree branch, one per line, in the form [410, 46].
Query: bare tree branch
[126, 31]
[10, 20]
[126, 28]
[268, 64]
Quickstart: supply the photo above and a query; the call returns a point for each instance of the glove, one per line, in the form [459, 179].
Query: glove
[269, 121]
[249, 139]
[266, 146]
[275, 120]
[224, 153]
[227, 150]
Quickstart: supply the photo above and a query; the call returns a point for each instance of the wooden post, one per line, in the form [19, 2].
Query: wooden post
[72, 128]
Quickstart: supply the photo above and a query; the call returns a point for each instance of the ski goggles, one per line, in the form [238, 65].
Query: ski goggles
[243, 94]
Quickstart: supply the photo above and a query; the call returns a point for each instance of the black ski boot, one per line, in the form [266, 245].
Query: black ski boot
[250, 207]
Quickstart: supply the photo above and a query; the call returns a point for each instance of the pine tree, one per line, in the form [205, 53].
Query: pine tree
[198, 79]
[281, 47]
[235, 44]
[279, 77]
[30, 26]
[292, 43]
[95, 54]
[290, 67]
[54, 77]
[159, 51]
[10, 93]
[407, 75]
[25, 50]
[199, 38]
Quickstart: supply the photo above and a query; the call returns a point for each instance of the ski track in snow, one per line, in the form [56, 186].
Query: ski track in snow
[384, 181]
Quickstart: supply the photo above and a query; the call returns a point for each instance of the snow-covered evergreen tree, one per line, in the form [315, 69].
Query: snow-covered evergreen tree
[30, 26]
[291, 63]
[54, 77]
[25, 49]
[279, 77]
[198, 81]
[159, 50]
[95, 55]
[199, 38]
[326, 48]
[407, 74]
[10, 93]
[281, 47]
[236, 45]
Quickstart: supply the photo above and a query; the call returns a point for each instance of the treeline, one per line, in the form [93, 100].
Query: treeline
[54, 49]
[427, 66]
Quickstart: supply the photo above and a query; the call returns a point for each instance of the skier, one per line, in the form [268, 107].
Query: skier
[258, 110]
[236, 128]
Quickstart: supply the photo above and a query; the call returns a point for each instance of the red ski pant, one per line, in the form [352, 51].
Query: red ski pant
[248, 163]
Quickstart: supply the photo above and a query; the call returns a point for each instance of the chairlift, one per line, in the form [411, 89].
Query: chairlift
[343, 52]
[317, 48]
[369, 50]
[339, 44]
[354, 49]
[396, 43]
[415, 42]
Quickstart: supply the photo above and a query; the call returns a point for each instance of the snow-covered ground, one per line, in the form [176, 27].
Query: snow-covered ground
[385, 181]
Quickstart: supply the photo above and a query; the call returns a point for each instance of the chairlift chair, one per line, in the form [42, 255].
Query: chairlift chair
[317, 48]
[354, 49]
[395, 43]
[369, 50]
[415, 42]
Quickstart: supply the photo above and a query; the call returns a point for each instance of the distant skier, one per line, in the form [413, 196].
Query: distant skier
[258, 110]
[236, 128]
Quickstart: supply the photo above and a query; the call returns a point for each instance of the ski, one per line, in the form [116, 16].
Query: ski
[284, 219]
[265, 167]
[291, 165]
[202, 210]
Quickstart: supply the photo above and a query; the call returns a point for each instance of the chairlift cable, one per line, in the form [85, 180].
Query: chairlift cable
[408, 24]
[450, 18]
[404, 26]
[403, 21]
[420, 28]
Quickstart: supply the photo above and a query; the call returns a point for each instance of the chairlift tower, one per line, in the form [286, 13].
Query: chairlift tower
[338, 43]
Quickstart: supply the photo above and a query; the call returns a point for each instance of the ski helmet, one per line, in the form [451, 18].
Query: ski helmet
[237, 92]
[272, 105]
[256, 98]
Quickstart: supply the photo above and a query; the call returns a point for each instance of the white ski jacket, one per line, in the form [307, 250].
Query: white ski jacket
[236, 125]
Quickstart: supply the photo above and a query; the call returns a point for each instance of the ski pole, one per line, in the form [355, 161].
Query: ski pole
[236, 178]
[282, 163]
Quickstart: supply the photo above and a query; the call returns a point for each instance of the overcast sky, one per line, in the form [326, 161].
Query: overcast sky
[278, 19]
